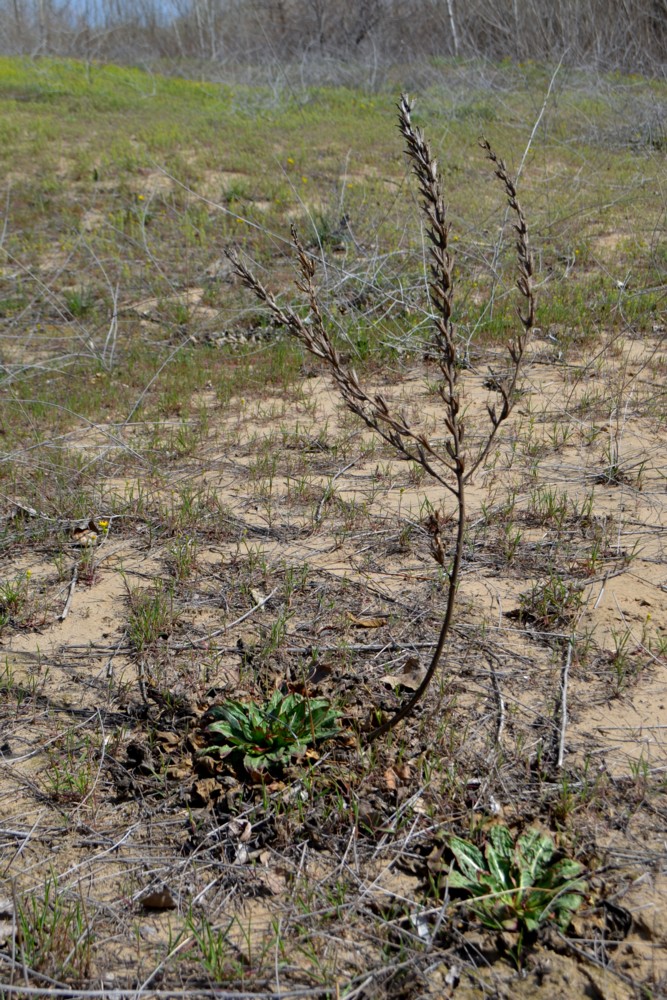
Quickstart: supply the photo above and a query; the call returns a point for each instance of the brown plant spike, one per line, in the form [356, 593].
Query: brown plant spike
[447, 464]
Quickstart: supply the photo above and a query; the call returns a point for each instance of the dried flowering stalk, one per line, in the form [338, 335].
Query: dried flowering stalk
[447, 463]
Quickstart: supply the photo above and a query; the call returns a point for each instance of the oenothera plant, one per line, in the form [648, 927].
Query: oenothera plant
[270, 733]
[446, 458]
[517, 886]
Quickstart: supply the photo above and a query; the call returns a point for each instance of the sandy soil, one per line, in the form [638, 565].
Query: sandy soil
[101, 789]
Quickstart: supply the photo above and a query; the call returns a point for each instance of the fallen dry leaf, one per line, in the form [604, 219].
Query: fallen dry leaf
[206, 766]
[257, 775]
[241, 857]
[7, 932]
[410, 677]
[158, 899]
[276, 786]
[240, 829]
[398, 774]
[168, 739]
[320, 673]
[86, 535]
[366, 622]
[204, 790]
[175, 773]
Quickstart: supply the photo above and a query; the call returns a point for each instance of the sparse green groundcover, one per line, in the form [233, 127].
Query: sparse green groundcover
[191, 523]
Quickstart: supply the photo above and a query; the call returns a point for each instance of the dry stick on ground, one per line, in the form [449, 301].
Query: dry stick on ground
[70, 593]
[563, 701]
[448, 464]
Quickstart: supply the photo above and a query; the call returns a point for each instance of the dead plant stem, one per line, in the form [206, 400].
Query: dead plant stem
[563, 701]
[447, 464]
[70, 593]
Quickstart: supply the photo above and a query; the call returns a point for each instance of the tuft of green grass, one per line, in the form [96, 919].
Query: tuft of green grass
[55, 934]
[14, 600]
[551, 603]
[152, 615]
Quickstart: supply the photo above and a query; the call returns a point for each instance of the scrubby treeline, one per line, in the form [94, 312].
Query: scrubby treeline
[629, 35]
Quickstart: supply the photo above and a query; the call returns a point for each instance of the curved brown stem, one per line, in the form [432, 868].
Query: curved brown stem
[453, 577]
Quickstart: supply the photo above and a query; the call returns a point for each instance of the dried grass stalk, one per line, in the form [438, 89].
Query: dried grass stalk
[447, 464]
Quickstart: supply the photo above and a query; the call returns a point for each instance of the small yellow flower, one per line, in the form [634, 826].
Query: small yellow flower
[28, 574]
[290, 161]
[103, 525]
[140, 197]
[304, 180]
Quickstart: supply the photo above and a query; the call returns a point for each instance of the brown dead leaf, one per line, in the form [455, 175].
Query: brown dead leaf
[276, 786]
[366, 622]
[320, 673]
[242, 856]
[195, 742]
[240, 829]
[305, 687]
[168, 739]
[158, 899]
[176, 773]
[206, 767]
[8, 931]
[398, 774]
[433, 860]
[410, 677]
[204, 791]
[85, 536]
[390, 780]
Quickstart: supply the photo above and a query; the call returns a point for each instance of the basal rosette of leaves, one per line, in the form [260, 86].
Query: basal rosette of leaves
[270, 733]
[517, 886]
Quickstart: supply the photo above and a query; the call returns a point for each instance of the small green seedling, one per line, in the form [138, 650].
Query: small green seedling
[267, 734]
[517, 886]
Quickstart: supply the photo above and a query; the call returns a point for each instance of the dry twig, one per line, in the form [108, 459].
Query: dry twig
[563, 701]
[70, 593]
